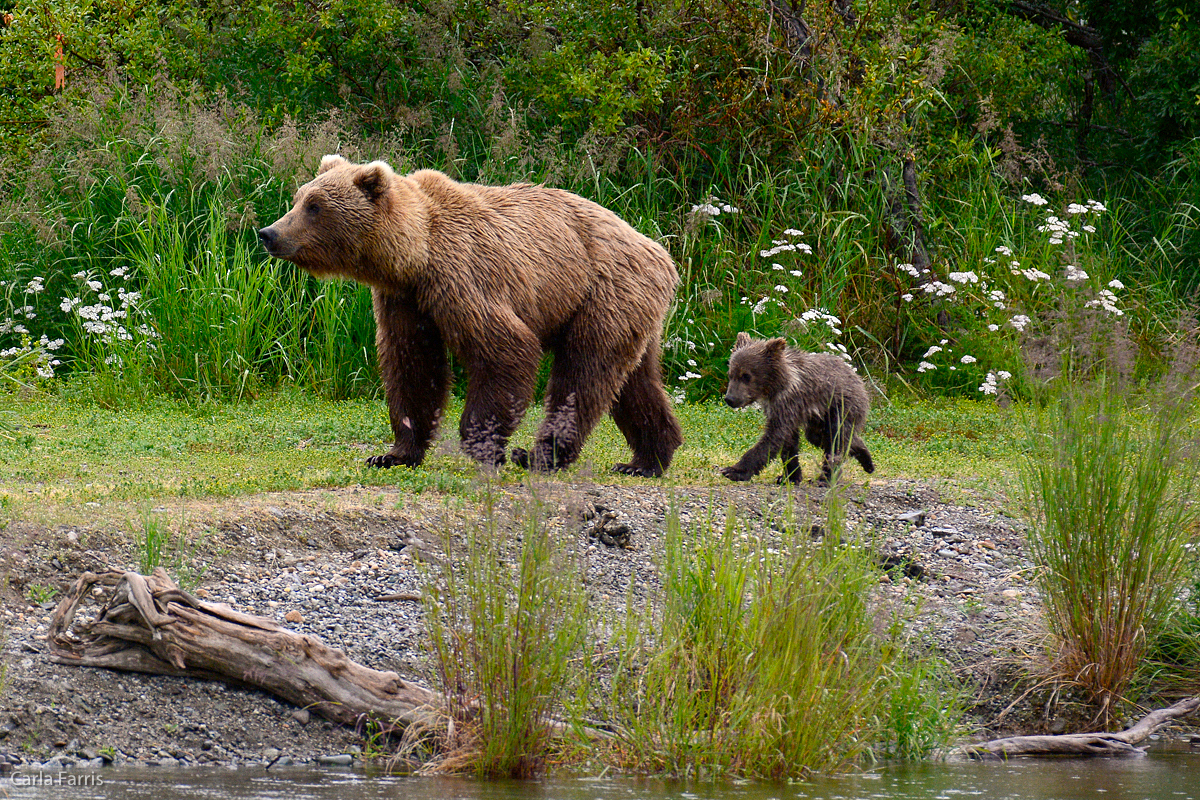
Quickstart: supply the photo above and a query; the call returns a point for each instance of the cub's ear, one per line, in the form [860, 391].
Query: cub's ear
[776, 347]
[743, 339]
[329, 162]
[374, 179]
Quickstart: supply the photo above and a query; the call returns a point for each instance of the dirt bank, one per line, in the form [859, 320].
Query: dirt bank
[319, 561]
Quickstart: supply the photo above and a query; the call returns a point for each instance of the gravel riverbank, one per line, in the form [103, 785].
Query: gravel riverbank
[340, 565]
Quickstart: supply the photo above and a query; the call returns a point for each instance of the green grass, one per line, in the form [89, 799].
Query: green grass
[66, 452]
[1110, 486]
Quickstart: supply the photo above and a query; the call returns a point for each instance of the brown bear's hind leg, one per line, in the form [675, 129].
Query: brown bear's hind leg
[644, 415]
[416, 377]
[859, 450]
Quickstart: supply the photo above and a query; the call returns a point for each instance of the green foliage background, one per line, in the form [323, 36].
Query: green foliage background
[801, 116]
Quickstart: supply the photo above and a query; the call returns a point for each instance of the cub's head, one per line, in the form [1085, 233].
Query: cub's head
[758, 370]
[333, 216]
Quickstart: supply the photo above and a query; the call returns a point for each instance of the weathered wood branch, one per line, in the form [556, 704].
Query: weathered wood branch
[148, 624]
[1086, 744]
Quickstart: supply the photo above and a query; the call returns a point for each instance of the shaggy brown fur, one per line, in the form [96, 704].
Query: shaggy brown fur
[815, 392]
[495, 275]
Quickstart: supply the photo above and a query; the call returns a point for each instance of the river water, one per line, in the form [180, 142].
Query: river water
[1159, 776]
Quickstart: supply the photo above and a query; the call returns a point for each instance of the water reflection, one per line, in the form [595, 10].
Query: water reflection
[1166, 776]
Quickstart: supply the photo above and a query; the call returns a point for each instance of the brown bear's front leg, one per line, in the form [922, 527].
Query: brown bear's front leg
[791, 461]
[501, 373]
[781, 429]
[416, 376]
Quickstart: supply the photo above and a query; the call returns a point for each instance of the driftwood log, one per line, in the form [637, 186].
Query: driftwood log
[148, 624]
[1086, 744]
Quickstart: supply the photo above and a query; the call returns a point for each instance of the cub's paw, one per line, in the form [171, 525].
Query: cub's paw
[792, 478]
[388, 460]
[638, 470]
[736, 474]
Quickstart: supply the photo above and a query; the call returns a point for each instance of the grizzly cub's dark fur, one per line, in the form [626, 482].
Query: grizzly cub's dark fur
[815, 392]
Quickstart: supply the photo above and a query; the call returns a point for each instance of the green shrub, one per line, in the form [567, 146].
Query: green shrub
[1110, 484]
[503, 639]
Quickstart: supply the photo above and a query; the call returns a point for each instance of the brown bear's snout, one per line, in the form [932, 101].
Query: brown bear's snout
[268, 237]
[275, 244]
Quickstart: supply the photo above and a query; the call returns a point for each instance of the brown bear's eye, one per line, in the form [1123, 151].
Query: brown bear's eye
[313, 209]
[744, 377]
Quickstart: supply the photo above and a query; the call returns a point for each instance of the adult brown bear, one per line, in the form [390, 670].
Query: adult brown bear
[497, 275]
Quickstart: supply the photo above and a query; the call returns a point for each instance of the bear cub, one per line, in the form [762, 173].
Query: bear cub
[818, 393]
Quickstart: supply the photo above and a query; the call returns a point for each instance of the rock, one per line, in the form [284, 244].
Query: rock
[294, 616]
[914, 518]
[301, 715]
[342, 760]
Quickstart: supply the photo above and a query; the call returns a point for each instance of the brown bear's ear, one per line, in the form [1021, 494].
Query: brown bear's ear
[374, 179]
[743, 339]
[776, 347]
[329, 162]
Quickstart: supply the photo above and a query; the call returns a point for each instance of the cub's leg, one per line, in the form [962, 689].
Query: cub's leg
[859, 450]
[791, 460]
[781, 429]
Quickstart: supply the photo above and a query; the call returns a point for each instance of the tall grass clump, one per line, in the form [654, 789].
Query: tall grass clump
[1110, 484]
[505, 620]
[756, 659]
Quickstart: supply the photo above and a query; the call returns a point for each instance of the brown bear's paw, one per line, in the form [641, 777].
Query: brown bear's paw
[792, 478]
[537, 461]
[639, 470]
[392, 459]
[736, 473]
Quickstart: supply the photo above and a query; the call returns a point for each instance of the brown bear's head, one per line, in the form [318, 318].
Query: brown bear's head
[758, 370]
[334, 218]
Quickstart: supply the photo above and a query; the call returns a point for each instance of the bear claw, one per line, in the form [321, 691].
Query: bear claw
[735, 474]
[638, 471]
[388, 460]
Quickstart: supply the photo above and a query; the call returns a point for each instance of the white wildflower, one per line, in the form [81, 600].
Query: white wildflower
[1075, 208]
[1116, 284]
[1074, 273]
[933, 349]
[779, 287]
[1019, 322]
[1035, 198]
[967, 360]
[925, 366]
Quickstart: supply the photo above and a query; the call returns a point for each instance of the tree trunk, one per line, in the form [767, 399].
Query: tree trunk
[1086, 744]
[148, 624]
